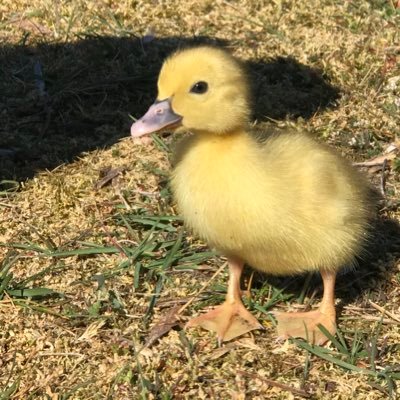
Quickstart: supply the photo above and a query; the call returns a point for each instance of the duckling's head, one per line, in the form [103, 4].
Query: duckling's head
[201, 90]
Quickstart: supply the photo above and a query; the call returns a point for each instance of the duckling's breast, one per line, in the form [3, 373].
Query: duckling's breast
[283, 207]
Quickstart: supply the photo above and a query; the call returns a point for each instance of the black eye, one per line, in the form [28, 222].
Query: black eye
[199, 87]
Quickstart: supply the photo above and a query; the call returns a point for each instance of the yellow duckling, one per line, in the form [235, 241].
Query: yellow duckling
[283, 204]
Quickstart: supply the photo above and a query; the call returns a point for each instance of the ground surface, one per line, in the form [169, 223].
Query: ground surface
[90, 266]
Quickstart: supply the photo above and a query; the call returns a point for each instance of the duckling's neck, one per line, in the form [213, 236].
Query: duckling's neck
[206, 148]
[222, 139]
[216, 152]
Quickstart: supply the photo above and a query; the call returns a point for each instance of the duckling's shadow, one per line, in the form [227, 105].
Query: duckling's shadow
[62, 99]
[283, 87]
[371, 275]
[59, 100]
[375, 269]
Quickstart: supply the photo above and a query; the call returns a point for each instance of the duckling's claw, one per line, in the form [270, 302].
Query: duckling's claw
[229, 320]
[306, 325]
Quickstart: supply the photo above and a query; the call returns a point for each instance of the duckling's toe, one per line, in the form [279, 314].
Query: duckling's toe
[229, 320]
[306, 325]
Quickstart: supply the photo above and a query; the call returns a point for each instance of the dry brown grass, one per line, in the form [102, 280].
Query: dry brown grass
[98, 62]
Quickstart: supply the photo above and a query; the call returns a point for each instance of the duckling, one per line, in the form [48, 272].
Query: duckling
[283, 205]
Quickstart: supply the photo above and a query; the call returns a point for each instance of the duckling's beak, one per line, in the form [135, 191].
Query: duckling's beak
[158, 117]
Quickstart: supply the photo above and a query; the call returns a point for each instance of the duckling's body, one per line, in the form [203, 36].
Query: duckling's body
[283, 205]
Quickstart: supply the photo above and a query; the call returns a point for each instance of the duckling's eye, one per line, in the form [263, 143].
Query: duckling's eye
[199, 87]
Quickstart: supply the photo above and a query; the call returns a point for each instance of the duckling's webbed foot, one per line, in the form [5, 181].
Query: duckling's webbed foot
[306, 324]
[231, 319]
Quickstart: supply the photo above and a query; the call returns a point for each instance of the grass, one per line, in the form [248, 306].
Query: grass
[359, 350]
[91, 264]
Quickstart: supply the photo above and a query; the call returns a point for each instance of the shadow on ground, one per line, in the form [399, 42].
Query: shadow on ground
[59, 100]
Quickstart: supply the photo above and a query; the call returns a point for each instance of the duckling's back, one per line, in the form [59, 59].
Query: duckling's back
[285, 205]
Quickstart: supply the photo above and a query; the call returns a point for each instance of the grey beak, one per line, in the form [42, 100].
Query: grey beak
[158, 117]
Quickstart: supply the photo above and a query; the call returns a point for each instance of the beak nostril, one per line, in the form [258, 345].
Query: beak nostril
[159, 111]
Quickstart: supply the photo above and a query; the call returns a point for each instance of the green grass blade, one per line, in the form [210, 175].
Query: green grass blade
[300, 299]
[161, 145]
[171, 256]
[49, 270]
[131, 231]
[87, 251]
[8, 261]
[342, 348]
[154, 297]
[153, 223]
[4, 283]
[136, 275]
[22, 246]
[7, 394]
[320, 352]
[34, 293]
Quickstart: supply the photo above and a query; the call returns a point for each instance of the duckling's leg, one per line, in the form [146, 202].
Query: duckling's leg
[305, 324]
[230, 319]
